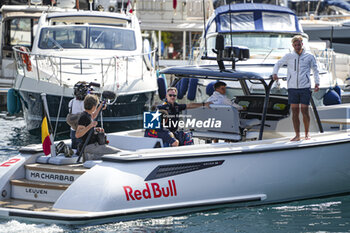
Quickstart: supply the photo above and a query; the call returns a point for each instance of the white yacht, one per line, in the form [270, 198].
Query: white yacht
[17, 29]
[91, 46]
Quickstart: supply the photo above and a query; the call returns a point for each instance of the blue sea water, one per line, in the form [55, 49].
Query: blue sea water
[315, 215]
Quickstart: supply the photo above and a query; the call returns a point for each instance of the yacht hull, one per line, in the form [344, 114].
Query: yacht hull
[169, 181]
[123, 115]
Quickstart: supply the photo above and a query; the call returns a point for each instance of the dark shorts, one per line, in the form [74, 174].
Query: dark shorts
[299, 96]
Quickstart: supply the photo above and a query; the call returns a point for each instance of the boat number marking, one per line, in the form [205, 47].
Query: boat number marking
[152, 190]
[36, 191]
[50, 176]
[10, 162]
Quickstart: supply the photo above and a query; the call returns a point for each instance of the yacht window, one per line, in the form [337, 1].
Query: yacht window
[63, 37]
[112, 38]
[20, 32]
[259, 44]
[240, 22]
[278, 22]
[78, 37]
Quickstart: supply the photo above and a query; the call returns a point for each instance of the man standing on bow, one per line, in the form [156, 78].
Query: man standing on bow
[299, 63]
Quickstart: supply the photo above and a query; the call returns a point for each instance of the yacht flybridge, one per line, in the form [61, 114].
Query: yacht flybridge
[255, 165]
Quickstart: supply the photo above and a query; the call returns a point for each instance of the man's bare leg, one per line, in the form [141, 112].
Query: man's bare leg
[306, 120]
[296, 121]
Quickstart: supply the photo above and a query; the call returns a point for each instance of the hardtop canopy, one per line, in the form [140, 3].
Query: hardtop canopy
[253, 17]
[211, 72]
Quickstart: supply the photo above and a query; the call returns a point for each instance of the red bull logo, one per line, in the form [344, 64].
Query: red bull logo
[151, 190]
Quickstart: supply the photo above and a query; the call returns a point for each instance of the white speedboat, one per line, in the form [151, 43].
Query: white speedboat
[147, 180]
[95, 47]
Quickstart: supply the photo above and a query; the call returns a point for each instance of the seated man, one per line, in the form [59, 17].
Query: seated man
[93, 150]
[174, 109]
[218, 97]
[167, 137]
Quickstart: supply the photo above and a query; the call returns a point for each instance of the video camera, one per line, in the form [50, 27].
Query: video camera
[82, 88]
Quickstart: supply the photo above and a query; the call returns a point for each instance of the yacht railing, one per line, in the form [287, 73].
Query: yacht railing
[67, 70]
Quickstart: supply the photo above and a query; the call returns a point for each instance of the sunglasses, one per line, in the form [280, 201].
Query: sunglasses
[171, 95]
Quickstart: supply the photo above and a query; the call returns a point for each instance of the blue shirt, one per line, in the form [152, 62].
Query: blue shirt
[173, 111]
[166, 136]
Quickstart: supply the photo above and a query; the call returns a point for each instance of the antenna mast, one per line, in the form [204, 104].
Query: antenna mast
[205, 35]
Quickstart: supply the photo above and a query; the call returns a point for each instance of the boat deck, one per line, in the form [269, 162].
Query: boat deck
[35, 206]
[70, 168]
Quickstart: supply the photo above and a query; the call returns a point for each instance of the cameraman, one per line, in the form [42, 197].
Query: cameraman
[93, 150]
[76, 107]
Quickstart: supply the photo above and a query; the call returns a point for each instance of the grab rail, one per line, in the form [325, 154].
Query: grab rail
[58, 69]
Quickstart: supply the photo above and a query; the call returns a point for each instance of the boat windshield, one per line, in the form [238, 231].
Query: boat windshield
[81, 37]
[260, 44]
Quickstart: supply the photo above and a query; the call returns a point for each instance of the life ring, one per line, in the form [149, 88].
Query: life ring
[25, 57]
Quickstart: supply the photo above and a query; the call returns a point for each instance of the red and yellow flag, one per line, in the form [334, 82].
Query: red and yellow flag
[45, 136]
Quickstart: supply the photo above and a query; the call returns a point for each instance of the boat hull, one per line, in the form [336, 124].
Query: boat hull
[123, 115]
[168, 181]
[272, 175]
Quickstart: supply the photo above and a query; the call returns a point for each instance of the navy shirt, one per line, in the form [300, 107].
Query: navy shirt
[173, 111]
[166, 136]
[85, 120]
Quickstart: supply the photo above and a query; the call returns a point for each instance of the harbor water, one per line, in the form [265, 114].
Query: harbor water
[316, 215]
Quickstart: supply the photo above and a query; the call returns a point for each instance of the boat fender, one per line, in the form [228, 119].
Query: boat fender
[192, 89]
[26, 58]
[183, 87]
[13, 102]
[147, 54]
[162, 86]
[178, 85]
[331, 98]
[209, 90]
[19, 105]
[338, 90]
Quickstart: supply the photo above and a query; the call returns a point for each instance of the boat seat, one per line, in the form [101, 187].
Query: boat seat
[231, 127]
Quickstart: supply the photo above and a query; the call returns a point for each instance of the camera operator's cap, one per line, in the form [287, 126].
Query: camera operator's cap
[80, 83]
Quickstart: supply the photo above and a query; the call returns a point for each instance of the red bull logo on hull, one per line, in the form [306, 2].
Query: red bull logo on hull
[151, 190]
